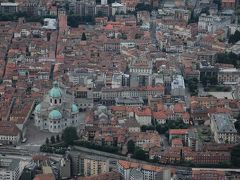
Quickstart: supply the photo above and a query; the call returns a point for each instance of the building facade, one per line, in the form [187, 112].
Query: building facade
[223, 128]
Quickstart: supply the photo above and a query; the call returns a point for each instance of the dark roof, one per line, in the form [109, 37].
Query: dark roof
[8, 129]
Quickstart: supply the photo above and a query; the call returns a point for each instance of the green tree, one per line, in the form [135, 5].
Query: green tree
[140, 154]
[137, 36]
[145, 128]
[235, 155]
[143, 7]
[131, 146]
[234, 38]
[47, 141]
[69, 135]
[83, 38]
[228, 58]
[52, 139]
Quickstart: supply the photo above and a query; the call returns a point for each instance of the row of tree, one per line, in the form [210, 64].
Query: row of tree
[28, 17]
[137, 152]
[192, 86]
[228, 58]
[68, 136]
[163, 128]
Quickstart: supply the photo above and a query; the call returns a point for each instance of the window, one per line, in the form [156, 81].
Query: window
[55, 101]
[60, 101]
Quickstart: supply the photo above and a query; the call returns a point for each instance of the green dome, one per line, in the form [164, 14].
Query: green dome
[74, 108]
[55, 114]
[38, 108]
[55, 92]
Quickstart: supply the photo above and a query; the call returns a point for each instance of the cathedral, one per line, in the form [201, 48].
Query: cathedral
[57, 111]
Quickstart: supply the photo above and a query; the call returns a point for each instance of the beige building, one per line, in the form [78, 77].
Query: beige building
[86, 165]
[228, 76]
[94, 166]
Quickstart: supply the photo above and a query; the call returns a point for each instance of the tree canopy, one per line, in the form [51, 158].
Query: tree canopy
[83, 38]
[228, 58]
[235, 155]
[193, 86]
[69, 135]
[131, 146]
[234, 38]
[140, 154]
[171, 124]
[143, 7]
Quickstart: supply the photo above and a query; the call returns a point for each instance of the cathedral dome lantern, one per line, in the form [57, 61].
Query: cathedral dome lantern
[37, 108]
[55, 92]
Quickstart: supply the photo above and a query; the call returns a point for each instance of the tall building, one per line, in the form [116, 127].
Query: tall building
[11, 169]
[65, 168]
[9, 8]
[83, 7]
[86, 165]
[57, 111]
[103, 2]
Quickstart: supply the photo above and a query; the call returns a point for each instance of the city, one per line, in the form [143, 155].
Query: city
[119, 89]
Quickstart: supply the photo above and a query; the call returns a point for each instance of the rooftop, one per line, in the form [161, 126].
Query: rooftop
[223, 123]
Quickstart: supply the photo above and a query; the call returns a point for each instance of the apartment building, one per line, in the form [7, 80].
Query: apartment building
[223, 128]
[10, 169]
[228, 76]
[87, 165]
[130, 170]
[9, 133]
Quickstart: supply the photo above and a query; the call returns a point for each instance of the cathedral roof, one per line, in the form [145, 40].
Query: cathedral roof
[55, 114]
[55, 92]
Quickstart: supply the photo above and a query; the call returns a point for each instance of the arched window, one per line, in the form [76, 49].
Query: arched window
[60, 101]
[51, 100]
[55, 101]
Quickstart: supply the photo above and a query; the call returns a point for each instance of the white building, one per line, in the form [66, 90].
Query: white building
[49, 23]
[9, 133]
[118, 8]
[9, 8]
[117, 79]
[57, 111]
[212, 23]
[223, 128]
[228, 76]
[178, 86]
[10, 169]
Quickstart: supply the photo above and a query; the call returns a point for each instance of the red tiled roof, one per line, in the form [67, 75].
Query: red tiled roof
[177, 131]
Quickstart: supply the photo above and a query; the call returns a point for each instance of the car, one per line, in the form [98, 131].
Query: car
[24, 140]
